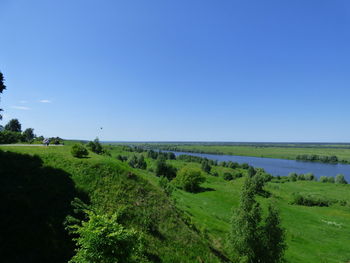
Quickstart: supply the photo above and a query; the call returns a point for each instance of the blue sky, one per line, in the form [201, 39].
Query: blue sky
[178, 70]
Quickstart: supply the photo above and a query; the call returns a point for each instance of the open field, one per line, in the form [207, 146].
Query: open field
[314, 234]
[281, 151]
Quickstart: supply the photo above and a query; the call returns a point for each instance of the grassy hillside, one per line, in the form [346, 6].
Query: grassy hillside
[110, 186]
[314, 234]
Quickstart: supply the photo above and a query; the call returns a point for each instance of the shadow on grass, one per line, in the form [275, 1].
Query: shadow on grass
[204, 189]
[34, 202]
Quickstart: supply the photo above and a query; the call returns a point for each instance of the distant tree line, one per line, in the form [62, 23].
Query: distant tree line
[318, 158]
[338, 179]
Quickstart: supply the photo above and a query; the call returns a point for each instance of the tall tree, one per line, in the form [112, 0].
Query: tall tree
[13, 125]
[245, 236]
[2, 88]
[252, 241]
[28, 134]
[274, 237]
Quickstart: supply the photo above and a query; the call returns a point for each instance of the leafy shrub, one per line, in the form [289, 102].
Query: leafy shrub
[206, 167]
[216, 174]
[189, 179]
[10, 137]
[245, 166]
[166, 186]
[258, 183]
[121, 158]
[339, 179]
[251, 171]
[95, 146]
[293, 177]
[163, 169]
[233, 165]
[228, 176]
[237, 175]
[323, 179]
[309, 200]
[79, 151]
[103, 239]
[310, 177]
[331, 179]
[301, 177]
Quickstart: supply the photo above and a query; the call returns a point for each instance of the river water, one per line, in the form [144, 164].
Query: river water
[280, 166]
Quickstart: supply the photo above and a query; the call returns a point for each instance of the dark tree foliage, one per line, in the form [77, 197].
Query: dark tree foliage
[228, 176]
[164, 169]
[251, 171]
[274, 237]
[165, 155]
[34, 202]
[95, 146]
[340, 179]
[13, 125]
[137, 161]
[10, 137]
[79, 151]
[206, 167]
[122, 158]
[233, 165]
[28, 134]
[317, 158]
[2, 88]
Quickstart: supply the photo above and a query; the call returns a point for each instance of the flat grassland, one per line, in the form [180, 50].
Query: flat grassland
[280, 151]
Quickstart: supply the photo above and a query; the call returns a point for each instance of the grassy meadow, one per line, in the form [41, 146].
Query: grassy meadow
[281, 151]
[193, 227]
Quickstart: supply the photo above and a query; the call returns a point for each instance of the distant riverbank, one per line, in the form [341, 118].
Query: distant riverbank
[318, 153]
[280, 167]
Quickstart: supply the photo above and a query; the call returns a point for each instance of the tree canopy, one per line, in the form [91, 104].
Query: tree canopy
[13, 125]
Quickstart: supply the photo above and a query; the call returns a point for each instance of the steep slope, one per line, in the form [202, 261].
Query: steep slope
[109, 186]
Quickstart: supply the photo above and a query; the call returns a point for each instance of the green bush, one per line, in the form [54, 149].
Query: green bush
[323, 179]
[189, 179]
[339, 179]
[163, 169]
[10, 137]
[95, 146]
[228, 176]
[166, 186]
[237, 175]
[137, 161]
[79, 151]
[292, 177]
[216, 174]
[310, 200]
[331, 179]
[205, 166]
[310, 177]
[301, 177]
[103, 239]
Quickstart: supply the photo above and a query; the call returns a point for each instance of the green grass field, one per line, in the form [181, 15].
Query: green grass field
[314, 234]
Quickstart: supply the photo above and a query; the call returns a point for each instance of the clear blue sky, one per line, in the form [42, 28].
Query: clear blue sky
[178, 70]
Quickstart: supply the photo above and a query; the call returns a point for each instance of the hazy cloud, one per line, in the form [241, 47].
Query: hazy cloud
[45, 101]
[23, 101]
[20, 108]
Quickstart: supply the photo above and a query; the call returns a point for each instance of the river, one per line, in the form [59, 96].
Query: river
[281, 167]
